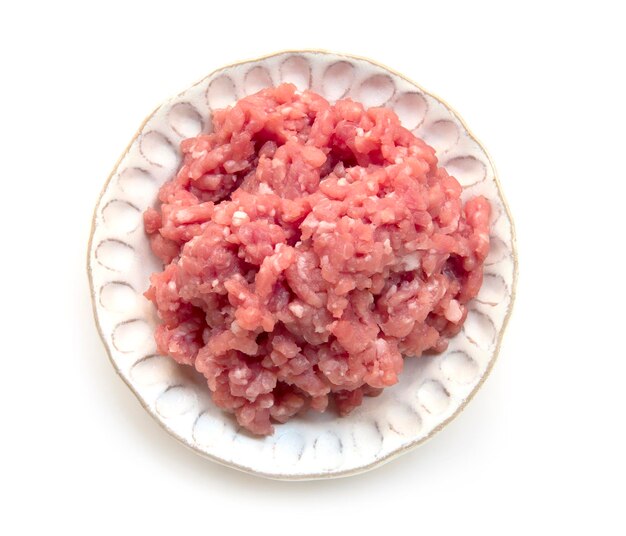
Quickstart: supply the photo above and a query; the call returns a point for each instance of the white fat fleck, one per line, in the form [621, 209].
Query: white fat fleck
[198, 154]
[387, 215]
[296, 309]
[411, 261]
[241, 296]
[235, 327]
[301, 265]
[275, 259]
[320, 329]
[276, 265]
[264, 188]
[360, 131]
[240, 217]
[387, 246]
[399, 160]
[171, 285]
[286, 110]
[215, 282]
[239, 373]
[183, 215]
[326, 226]
[266, 404]
[273, 212]
[381, 346]
[342, 182]
[311, 222]
[226, 231]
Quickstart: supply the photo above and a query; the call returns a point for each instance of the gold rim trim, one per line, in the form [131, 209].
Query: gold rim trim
[398, 452]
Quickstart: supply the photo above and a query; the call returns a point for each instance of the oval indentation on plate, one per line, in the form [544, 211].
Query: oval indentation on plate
[479, 329]
[411, 108]
[208, 429]
[154, 369]
[117, 296]
[131, 335]
[493, 290]
[433, 397]
[441, 135]
[376, 90]
[138, 185]
[337, 80]
[468, 170]
[256, 79]
[498, 250]
[367, 438]
[288, 448]
[496, 212]
[115, 255]
[297, 71]
[158, 150]
[403, 420]
[175, 401]
[459, 367]
[328, 450]
[121, 216]
[185, 120]
[221, 92]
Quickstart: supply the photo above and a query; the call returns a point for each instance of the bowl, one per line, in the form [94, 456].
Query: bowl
[432, 389]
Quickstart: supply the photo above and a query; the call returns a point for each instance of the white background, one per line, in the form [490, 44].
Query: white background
[541, 448]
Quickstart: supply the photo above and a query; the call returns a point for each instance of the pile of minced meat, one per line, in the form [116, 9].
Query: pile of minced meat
[307, 248]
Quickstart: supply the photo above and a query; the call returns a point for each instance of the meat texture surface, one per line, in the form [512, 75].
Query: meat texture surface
[307, 249]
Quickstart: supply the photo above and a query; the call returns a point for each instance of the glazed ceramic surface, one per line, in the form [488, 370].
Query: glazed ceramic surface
[431, 391]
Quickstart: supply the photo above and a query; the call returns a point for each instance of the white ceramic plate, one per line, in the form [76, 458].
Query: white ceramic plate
[432, 390]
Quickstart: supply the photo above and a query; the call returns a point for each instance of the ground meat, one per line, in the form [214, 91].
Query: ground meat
[308, 247]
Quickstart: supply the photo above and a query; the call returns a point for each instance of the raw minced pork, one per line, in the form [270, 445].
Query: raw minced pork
[307, 248]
